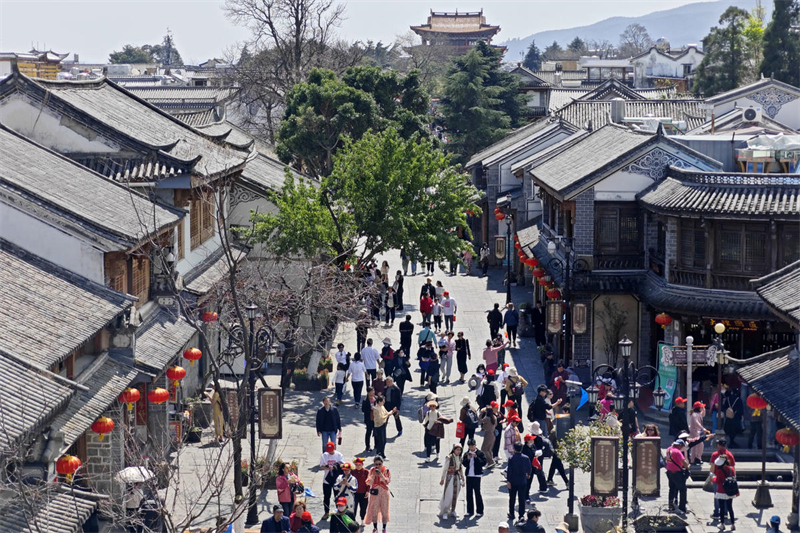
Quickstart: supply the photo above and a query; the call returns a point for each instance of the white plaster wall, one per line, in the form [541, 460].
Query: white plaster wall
[507, 179]
[789, 114]
[656, 64]
[51, 243]
[192, 258]
[49, 129]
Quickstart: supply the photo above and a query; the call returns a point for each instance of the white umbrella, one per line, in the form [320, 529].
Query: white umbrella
[134, 474]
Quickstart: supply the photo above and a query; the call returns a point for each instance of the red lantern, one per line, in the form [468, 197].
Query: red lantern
[102, 426]
[210, 316]
[517, 245]
[538, 272]
[497, 210]
[158, 395]
[756, 403]
[543, 282]
[554, 294]
[469, 213]
[663, 319]
[130, 396]
[788, 438]
[499, 216]
[516, 238]
[192, 354]
[67, 465]
[533, 262]
[176, 374]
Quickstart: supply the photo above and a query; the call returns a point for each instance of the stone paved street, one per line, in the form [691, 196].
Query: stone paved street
[415, 484]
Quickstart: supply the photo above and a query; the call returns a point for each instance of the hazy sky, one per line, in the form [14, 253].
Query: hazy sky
[201, 30]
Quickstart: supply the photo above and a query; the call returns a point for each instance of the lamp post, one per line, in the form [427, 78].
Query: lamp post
[628, 376]
[571, 518]
[509, 219]
[719, 329]
[568, 266]
[256, 340]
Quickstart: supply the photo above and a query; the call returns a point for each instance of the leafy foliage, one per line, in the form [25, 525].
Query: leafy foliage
[723, 67]
[130, 54]
[164, 53]
[634, 40]
[577, 46]
[553, 52]
[782, 44]
[481, 102]
[385, 192]
[533, 57]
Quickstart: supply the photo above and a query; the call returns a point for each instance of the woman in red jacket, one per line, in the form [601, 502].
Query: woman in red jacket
[722, 470]
[284, 489]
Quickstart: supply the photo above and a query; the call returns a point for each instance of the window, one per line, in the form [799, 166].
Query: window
[617, 229]
[202, 223]
[141, 279]
[692, 244]
[743, 248]
[789, 244]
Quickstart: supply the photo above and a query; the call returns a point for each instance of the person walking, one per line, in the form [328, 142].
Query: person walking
[490, 355]
[402, 373]
[366, 408]
[733, 408]
[484, 259]
[360, 495]
[426, 334]
[511, 435]
[462, 354]
[380, 416]
[346, 486]
[394, 400]
[331, 462]
[436, 312]
[340, 379]
[538, 319]
[284, 489]
[378, 481]
[696, 429]
[429, 423]
[448, 356]
[387, 356]
[399, 280]
[343, 520]
[426, 308]
[544, 444]
[495, 320]
[425, 356]
[511, 321]
[537, 411]
[474, 460]
[452, 481]
[468, 257]
[362, 329]
[370, 357]
[328, 423]
[677, 472]
[277, 522]
[404, 261]
[433, 373]
[677, 418]
[722, 471]
[515, 387]
[449, 309]
[428, 289]
[519, 470]
[429, 264]
[390, 304]
[469, 417]
[490, 418]
[406, 333]
[358, 374]
[722, 449]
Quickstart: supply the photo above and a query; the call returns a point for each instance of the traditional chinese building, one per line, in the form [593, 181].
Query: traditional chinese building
[456, 31]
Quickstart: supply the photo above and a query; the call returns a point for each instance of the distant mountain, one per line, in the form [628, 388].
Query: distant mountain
[680, 25]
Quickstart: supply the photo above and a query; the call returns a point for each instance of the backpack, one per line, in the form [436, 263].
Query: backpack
[547, 447]
[730, 486]
[472, 419]
[517, 390]
[729, 412]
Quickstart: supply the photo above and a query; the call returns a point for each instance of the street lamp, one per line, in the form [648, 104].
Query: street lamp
[571, 518]
[568, 267]
[256, 340]
[509, 219]
[719, 329]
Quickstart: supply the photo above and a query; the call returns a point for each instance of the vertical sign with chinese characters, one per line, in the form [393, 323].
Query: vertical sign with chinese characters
[269, 414]
[555, 312]
[646, 479]
[605, 451]
[500, 247]
[579, 319]
[232, 399]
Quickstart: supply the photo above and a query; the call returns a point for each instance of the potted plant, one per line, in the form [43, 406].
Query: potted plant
[599, 514]
[245, 466]
[326, 363]
[193, 434]
[304, 381]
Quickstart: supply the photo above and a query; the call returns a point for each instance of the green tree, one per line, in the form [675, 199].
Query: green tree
[533, 57]
[723, 67]
[754, 38]
[166, 53]
[782, 44]
[481, 101]
[577, 46]
[553, 52]
[384, 193]
[130, 54]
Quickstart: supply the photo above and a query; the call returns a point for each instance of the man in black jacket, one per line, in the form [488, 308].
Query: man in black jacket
[473, 460]
[428, 289]
[495, 320]
[537, 411]
[406, 333]
[366, 407]
[329, 425]
[677, 418]
[394, 398]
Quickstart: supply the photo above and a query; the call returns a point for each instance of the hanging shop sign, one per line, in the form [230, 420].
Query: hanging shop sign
[555, 312]
[579, 319]
[678, 355]
[270, 414]
[500, 247]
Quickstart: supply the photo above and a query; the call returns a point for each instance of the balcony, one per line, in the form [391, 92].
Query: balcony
[699, 278]
[620, 262]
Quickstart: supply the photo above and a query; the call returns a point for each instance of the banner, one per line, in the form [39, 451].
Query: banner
[669, 376]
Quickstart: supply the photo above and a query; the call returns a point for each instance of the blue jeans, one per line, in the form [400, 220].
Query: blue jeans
[328, 436]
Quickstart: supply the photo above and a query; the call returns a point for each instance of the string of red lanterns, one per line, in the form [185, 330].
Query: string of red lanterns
[788, 438]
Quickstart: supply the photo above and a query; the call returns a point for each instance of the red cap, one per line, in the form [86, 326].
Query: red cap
[306, 516]
[680, 400]
[490, 372]
[505, 365]
[330, 446]
[494, 404]
[341, 501]
[445, 293]
[515, 418]
[509, 403]
[698, 405]
[528, 437]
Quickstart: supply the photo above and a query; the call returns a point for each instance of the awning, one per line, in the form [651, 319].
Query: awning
[161, 338]
[775, 376]
[202, 278]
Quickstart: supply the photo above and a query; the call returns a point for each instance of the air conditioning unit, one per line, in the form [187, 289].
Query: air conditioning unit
[751, 114]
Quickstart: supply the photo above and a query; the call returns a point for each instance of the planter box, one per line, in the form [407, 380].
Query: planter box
[599, 519]
[193, 436]
[311, 385]
[660, 524]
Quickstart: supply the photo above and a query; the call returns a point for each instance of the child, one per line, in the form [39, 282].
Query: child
[437, 314]
[339, 378]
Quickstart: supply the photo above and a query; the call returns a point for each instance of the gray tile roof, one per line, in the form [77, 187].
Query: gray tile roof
[202, 278]
[549, 76]
[116, 108]
[46, 312]
[547, 152]
[161, 338]
[743, 91]
[562, 97]
[769, 377]
[121, 216]
[734, 121]
[57, 510]
[230, 133]
[27, 409]
[204, 117]
[105, 385]
[781, 291]
[702, 302]
[266, 173]
[598, 112]
[566, 170]
[178, 93]
[519, 135]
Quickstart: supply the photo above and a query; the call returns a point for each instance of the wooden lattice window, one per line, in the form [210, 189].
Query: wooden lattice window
[692, 244]
[141, 279]
[789, 245]
[201, 218]
[743, 248]
[617, 230]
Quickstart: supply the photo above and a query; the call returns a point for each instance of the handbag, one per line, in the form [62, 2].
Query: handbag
[708, 485]
[373, 491]
[683, 471]
[460, 430]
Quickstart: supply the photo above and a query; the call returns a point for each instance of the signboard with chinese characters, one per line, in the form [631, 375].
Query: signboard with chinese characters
[269, 414]
[500, 247]
[605, 451]
[232, 399]
[555, 312]
[646, 453]
[677, 355]
[176, 430]
[579, 319]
